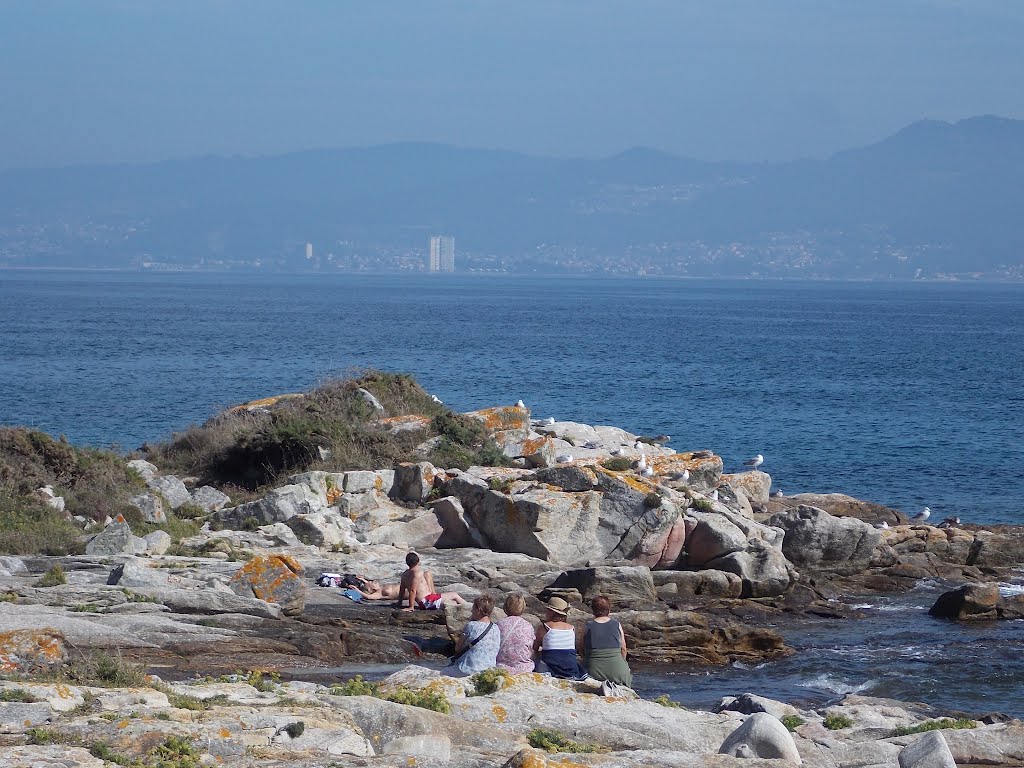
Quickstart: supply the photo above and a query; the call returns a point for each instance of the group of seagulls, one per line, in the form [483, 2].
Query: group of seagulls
[921, 517]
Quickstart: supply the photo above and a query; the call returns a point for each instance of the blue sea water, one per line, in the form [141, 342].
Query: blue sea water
[904, 394]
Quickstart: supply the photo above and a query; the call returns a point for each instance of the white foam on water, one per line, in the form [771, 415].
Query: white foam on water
[825, 682]
[1009, 590]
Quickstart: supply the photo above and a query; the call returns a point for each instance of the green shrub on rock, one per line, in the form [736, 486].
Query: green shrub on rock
[792, 722]
[837, 722]
[934, 725]
[354, 687]
[618, 464]
[665, 701]
[553, 741]
[53, 577]
[489, 681]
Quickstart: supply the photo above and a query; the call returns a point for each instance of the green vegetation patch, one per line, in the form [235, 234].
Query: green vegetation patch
[665, 701]
[53, 577]
[424, 699]
[489, 681]
[837, 722]
[618, 464]
[17, 694]
[30, 527]
[553, 741]
[792, 722]
[331, 428]
[703, 505]
[934, 725]
[105, 670]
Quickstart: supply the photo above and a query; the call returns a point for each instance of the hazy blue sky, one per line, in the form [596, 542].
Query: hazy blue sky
[113, 80]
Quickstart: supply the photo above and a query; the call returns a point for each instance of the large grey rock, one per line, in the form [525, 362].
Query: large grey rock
[762, 569]
[361, 481]
[755, 485]
[978, 602]
[12, 566]
[568, 478]
[749, 704]
[322, 529]
[415, 533]
[764, 736]
[274, 578]
[713, 537]
[456, 528]
[151, 506]
[623, 585]
[277, 506]
[414, 482]
[210, 499]
[145, 470]
[136, 573]
[421, 747]
[17, 716]
[816, 539]
[157, 542]
[372, 401]
[929, 751]
[115, 539]
[172, 489]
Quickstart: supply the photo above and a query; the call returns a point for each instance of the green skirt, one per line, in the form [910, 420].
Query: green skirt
[608, 664]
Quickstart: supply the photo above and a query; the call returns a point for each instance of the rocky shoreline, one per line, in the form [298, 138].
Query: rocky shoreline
[697, 562]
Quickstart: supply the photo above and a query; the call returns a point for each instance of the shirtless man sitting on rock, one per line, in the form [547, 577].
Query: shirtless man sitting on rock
[417, 588]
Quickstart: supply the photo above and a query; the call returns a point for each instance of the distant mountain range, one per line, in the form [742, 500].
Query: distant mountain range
[936, 199]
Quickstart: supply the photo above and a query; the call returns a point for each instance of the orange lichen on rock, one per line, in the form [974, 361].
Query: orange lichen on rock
[500, 713]
[274, 578]
[500, 418]
[31, 650]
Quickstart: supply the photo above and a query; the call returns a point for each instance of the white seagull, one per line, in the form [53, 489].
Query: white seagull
[437, 399]
[520, 404]
[615, 452]
[549, 421]
[921, 516]
[776, 493]
[642, 465]
[682, 476]
[646, 471]
[564, 458]
[714, 495]
[882, 525]
[755, 462]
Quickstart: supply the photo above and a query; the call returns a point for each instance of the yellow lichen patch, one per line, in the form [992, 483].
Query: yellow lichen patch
[264, 402]
[224, 733]
[123, 724]
[500, 713]
[63, 691]
[378, 483]
[504, 417]
[333, 494]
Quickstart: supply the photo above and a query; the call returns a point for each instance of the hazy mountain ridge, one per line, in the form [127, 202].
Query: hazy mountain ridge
[933, 198]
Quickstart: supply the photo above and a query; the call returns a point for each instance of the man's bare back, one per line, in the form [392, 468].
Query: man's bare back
[417, 588]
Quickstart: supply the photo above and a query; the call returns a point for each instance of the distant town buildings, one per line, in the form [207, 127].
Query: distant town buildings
[309, 251]
[442, 254]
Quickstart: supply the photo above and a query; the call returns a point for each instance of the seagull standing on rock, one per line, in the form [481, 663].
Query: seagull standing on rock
[520, 404]
[882, 526]
[646, 471]
[642, 464]
[714, 495]
[777, 493]
[549, 421]
[755, 462]
[921, 516]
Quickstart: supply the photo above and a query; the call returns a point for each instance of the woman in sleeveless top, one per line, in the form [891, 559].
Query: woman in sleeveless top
[604, 646]
[516, 652]
[556, 641]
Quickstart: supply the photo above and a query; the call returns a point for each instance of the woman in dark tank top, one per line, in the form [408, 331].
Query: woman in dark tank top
[604, 645]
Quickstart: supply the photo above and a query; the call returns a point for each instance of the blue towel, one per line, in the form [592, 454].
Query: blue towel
[353, 595]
